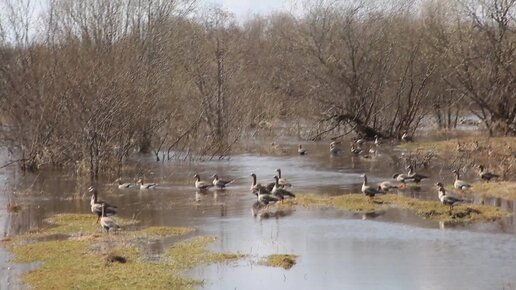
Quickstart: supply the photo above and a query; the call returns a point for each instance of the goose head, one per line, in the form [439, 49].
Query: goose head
[140, 181]
[438, 184]
[481, 167]
[395, 176]
[91, 189]
[279, 172]
[197, 177]
[215, 176]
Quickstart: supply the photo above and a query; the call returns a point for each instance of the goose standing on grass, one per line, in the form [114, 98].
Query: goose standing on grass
[447, 199]
[369, 191]
[219, 183]
[282, 181]
[107, 222]
[405, 137]
[413, 176]
[202, 185]
[146, 185]
[281, 193]
[460, 184]
[96, 205]
[487, 176]
[301, 150]
[123, 185]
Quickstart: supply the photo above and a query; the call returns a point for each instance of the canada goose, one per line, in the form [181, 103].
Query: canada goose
[281, 193]
[107, 222]
[282, 181]
[401, 177]
[301, 150]
[486, 175]
[369, 191]
[405, 137]
[264, 197]
[96, 205]
[220, 183]
[122, 185]
[256, 186]
[460, 184]
[146, 185]
[334, 150]
[414, 176]
[377, 141]
[355, 149]
[202, 185]
[447, 199]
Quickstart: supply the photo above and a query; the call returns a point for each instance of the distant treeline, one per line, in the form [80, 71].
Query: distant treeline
[95, 80]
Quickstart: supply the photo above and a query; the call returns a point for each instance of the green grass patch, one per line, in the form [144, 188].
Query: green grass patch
[102, 261]
[506, 190]
[192, 253]
[279, 260]
[428, 209]
[166, 231]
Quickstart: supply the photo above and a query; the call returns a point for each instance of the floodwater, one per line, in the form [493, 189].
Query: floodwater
[392, 249]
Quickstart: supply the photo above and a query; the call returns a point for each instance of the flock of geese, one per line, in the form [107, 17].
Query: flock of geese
[278, 190]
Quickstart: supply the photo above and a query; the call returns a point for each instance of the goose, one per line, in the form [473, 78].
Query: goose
[282, 181]
[386, 186]
[377, 141]
[360, 141]
[265, 198]
[414, 176]
[460, 184]
[447, 199]
[355, 149]
[301, 150]
[96, 205]
[202, 185]
[107, 222]
[486, 175]
[333, 149]
[369, 191]
[401, 177]
[405, 137]
[123, 185]
[146, 185]
[280, 192]
[221, 183]
[256, 186]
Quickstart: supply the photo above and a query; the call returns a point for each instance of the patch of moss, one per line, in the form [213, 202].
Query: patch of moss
[279, 260]
[166, 231]
[428, 209]
[497, 144]
[506, 190]
[70, 264]
[192, 253]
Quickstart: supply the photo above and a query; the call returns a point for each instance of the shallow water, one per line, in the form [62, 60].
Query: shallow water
[393, 249]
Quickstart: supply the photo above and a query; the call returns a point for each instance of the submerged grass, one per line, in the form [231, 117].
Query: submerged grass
[506, 190]
[428, 209]
[101, 261]
[279, 260]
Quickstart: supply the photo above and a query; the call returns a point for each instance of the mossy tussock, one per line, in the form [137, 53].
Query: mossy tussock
[284, 261]
[497, 144]
[89, 259]
[506, 190]
[428, 209]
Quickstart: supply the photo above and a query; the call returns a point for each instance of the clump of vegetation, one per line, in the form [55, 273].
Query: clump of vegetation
[506, 190]
[284, 261]
[428, 209]
[166, 231]
[193, 252]
[81, 263]
[497, 144]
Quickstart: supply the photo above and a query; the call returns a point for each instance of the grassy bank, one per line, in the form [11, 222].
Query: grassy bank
[84, 258]
[506, 190]
[498, 144]
[433, 210]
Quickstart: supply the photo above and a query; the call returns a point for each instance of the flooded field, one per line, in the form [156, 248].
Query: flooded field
[390, 249]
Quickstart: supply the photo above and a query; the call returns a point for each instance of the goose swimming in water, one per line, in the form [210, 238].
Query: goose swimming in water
[447, 199]
[460, 184]
[107, 222]
[219, 183]
[265, 197]
[368, 190]
[281, 193]
[255, 187]
[146, 185]
[202, 185]
[301, 150]
[123, 185]
[96, 205]
[487, 176]
[355, 149]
